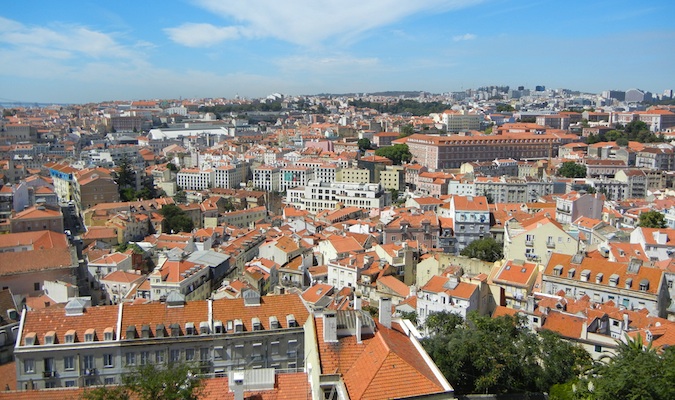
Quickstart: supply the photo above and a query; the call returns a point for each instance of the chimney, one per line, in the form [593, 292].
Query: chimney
[625, 322]
[330, 327]
[357, 300]
[358, 328]
[237, 384]
[385, 312]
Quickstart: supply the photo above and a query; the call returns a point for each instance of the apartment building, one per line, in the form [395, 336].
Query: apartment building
[94, 186]
[440, 152]
[229, 176]
[461, 121]
[392, 178]
[515, 280]
[631, 285]
[446, 294]
[569, 207]
[177, 275]
[412, 224]
[318, 196]
[267, 178]
[294, 176]
[37, 218]
[471, 219]
[535, 240]
[636, 181]
[353, 175]
[98, 345]
[661, 158]
[195, 179]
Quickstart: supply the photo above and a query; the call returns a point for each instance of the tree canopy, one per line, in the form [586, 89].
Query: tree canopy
[501, 355]
[175, 219]
[486, 249]
[637, 371]
[570, 169]
[406, 130]
[635, 131]
[364, 144]
[413, 107]
[150, 382]
[397, 153]
[652, 219]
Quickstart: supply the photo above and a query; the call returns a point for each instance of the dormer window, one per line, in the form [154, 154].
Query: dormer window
[238, 325]
[585, 274]
[89, 335]
[145, 331]
[131, 332]
[290, 320]
[30, 339]
[203, 328]
[255, 323]
[598, 278]
[175, 330]
[218, 327]
[614, 280]
[571, 272]
[644, 285]
[230, 325]
[189, 328]
[50, 337]
[160, 331]
[108, 334]
[70, 336]
[557, 270]
[629, 283]
[274, 323]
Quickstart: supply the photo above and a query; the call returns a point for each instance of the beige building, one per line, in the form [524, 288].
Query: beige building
[37, 218]
[535, 241]
[393, 178]
[353, 175]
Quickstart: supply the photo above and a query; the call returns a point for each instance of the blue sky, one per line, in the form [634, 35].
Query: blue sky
[82, 51]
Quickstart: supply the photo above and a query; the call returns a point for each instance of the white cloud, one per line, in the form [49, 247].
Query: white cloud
[202, 35]
[306, 22]
[466, 36]
[60, 41]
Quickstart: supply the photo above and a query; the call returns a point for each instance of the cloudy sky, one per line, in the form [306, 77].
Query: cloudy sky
[82, 51]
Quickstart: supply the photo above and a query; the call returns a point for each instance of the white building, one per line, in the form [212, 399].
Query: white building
[195, 179]
[266, 178]
[318, 196]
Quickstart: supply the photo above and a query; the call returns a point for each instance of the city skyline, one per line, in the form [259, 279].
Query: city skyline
[89, 52]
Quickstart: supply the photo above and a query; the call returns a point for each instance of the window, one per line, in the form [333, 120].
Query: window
[36, 286]
[70, 384]
[108, 335]
[174, 355]
[598, 348]
[49, 338]
[292, 349]
[88, 362]
[69, 363]
[274, 348]
[70, 337]
[49, 366]
[89, 336]
[189, 354]
[204, 354]
[159, 356]
[109, 381]
[145, 357]
[130, 358]
[108, 361]
[257, 351]
[29, 366]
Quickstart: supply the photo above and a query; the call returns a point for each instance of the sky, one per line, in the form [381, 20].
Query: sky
[92, 51]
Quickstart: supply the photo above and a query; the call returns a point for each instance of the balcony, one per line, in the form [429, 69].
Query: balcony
[550, 245]
[49, 374]
[529, 243]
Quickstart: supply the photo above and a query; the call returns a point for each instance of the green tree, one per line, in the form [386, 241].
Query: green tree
[171, 382]
[501, 355]
[570, 169]
[175, 219]
[486, 249]
[106, 393]
[636, 371]
[172, 167]
[652, 219]
[397, 153]
[410, 316]
[406, 130]
[443, 323]
[364, 144]
[153, 382]
[180, 197]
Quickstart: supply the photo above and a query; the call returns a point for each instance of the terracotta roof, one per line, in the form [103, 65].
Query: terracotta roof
[516, 274]
[395, 285]
[373, 369]
[567, 325]
[596, 266]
